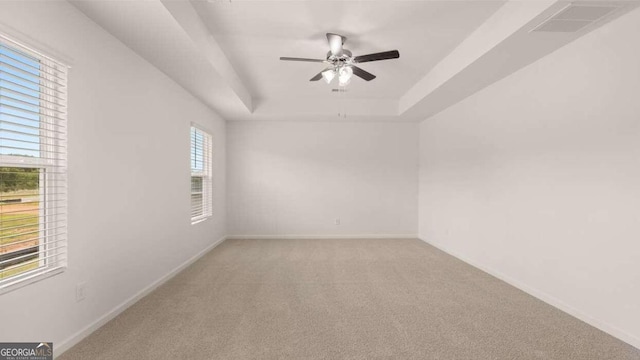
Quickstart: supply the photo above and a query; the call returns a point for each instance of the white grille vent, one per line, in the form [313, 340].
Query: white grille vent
[575, 17]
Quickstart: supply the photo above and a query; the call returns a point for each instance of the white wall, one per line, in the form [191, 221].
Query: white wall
[294, 178]
[537, 178]
[128, 177]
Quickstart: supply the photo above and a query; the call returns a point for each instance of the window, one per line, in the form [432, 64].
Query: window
[201, 183]
[33, 190]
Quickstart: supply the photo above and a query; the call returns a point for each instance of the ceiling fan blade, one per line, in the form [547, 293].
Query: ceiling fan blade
[301, 59]
[393, 54]
[317, 77]
[335, 43]
[361, 73]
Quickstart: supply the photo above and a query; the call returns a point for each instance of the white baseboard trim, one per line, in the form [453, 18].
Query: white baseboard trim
[358, 236]
[80, 335]
[549, 299]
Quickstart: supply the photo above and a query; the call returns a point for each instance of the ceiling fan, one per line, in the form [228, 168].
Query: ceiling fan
[342, 63]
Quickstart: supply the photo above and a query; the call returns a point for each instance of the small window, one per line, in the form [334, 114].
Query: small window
[201, 182]
[33, 165]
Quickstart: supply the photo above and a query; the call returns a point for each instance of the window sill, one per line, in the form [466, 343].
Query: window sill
[200, 219]
[26, 279]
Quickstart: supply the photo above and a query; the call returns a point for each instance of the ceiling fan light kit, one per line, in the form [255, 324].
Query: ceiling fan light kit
[345, 74]
[328, 75]
[342, 63]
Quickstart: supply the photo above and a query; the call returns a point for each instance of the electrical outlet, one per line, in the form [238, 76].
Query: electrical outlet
[337, 221]
[81, 291]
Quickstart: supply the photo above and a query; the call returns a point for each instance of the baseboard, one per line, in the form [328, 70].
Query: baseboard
[549, 299]
[358, 236]
[77, 337]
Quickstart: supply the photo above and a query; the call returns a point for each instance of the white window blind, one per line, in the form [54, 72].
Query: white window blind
[33, 165]
[201, 182]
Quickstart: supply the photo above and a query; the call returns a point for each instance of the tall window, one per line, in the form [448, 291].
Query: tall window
[201, 183]
[33, 165]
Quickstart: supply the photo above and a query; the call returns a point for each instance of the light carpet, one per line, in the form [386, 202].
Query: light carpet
[342, 299]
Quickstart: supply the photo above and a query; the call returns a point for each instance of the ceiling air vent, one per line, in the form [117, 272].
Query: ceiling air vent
[575, 17]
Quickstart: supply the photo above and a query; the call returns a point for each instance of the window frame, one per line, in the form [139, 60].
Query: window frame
[206, 174]
[52, 164]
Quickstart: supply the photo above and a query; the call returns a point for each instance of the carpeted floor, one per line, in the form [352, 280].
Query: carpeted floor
[342, 299]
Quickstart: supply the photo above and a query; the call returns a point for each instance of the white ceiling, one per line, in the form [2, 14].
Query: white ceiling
[254, 34]
[226, 53]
